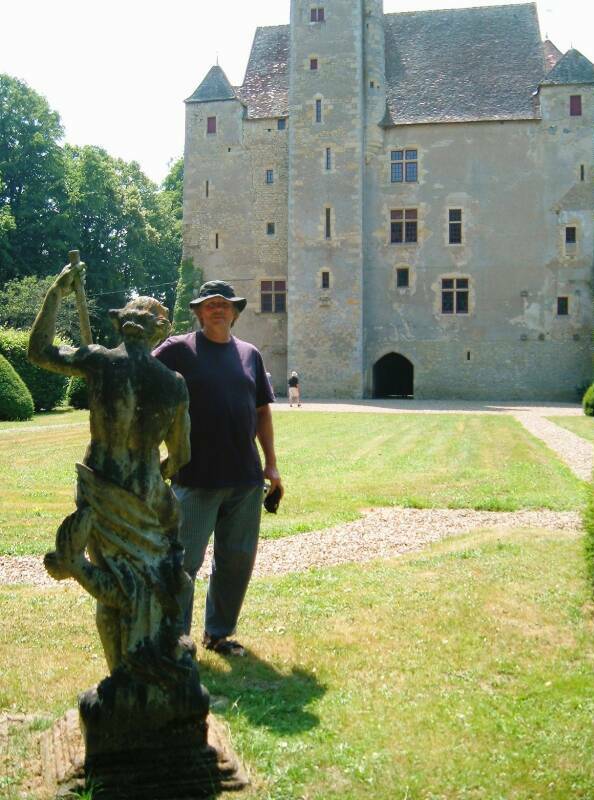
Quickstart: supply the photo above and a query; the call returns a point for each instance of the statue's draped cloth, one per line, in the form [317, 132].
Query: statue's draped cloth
[136, 543]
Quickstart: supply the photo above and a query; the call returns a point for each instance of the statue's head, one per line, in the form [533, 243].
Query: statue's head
[142, 318]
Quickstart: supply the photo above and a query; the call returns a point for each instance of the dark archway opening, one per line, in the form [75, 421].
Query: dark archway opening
[393, 376]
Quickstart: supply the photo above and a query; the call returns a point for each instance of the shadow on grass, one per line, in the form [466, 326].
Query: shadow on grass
[262, 694]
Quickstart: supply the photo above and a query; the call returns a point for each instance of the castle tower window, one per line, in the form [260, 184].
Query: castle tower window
[313, 63]
[454, 296]
[403, 226]
[575, 105]
[316, 14]
[562, 306]
[328, 158]
[404, 166]
[206, 189]
[273, 297]
[211, 124]
[571, 235]
[328, 226]
[269, 176]
[216, 241]
[455, 226]
[325, 279]
[582, 172]
[318, 110]
[270, 228]
[402, 278]
[281, 124]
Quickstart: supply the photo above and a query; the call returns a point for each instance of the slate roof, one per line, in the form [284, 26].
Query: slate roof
[572, 68]
[454, 65]
[215, 86]
[265, 87]
[463, 64]
[552, 54]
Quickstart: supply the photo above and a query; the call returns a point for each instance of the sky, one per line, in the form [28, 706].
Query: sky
[118, 71]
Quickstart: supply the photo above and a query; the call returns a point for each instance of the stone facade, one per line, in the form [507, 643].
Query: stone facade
[355, 130]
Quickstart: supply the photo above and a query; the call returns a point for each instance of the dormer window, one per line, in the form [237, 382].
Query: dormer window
[575, 105]
[317, 14]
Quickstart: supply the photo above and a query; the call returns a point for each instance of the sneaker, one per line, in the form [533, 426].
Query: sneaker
[222, 645]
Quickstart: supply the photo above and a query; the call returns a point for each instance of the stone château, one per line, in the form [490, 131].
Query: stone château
[405, 199]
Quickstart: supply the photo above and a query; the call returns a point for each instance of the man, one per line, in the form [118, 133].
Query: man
[294, 392]
[220, 489]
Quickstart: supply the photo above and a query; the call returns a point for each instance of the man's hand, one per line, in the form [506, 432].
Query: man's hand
[65, 282]
[271, 474]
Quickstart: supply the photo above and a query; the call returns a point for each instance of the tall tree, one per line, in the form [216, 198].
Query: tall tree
[32, 188]
[124, 228]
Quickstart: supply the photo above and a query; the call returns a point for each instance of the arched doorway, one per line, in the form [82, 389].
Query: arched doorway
[393, 376]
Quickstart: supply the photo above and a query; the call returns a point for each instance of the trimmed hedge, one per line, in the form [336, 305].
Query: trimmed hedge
[16, 402]
[588, 401]
[47, 388]
[77, 392]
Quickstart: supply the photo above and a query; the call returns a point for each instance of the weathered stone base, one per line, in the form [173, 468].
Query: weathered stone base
[179, 761]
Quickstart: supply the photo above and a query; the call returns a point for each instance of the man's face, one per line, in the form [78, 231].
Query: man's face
[217, 313]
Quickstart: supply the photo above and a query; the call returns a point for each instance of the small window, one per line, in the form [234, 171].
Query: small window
[216, 241]
[206, 189]
[582, 172]
[316, 14]
[211, 124]
[570, 234]
[455, 226]
[273, 297]
[575, 105]
[270, 228]
[404, 166]
[403, 226]
[402, 277]
[269, 176]
[328, 158]
[454, 296]
[328, 226]
[325, 280]
[318, 110]
[281, 124]
[562, 306]
[313, 63]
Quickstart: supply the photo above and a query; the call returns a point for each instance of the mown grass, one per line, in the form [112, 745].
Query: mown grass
[581, 426]
[463, 673]
[333, 465]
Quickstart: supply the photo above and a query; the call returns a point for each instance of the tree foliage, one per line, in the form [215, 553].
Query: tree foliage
[21, 299]
[32, 187]
[189, 278]
[54, 198]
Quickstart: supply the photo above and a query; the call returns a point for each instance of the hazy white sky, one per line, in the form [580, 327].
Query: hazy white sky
[117, 71]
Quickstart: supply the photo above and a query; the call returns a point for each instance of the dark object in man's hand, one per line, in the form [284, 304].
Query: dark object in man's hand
[272, 501]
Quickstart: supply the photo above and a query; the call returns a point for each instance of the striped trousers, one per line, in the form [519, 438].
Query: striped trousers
[233, 514]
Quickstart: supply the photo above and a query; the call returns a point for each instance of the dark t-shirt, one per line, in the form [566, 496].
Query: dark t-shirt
[226, 383]
[293, 381]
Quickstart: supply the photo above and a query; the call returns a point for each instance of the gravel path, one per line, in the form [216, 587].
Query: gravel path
[576, 452]
[380, 533]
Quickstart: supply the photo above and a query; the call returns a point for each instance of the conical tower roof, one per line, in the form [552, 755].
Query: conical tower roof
[572, 68]
[215, 86]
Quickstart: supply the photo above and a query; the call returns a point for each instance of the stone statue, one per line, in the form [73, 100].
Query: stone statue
[149, 716]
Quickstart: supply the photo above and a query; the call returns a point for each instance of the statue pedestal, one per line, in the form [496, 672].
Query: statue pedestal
[154, 741]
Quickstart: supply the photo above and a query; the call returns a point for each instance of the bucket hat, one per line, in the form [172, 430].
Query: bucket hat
[218, 289]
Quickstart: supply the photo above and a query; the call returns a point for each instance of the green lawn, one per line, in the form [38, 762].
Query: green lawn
[333, 466]
[462, 673]
[582, 426]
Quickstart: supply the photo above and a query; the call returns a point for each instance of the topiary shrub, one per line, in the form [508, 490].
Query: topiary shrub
[47, 388]
[16, 402]
[77, 392]
[588, 401]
